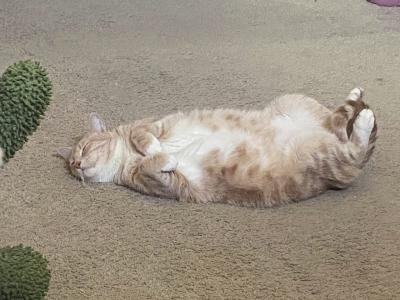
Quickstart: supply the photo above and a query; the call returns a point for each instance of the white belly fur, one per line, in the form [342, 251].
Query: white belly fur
[190, 143]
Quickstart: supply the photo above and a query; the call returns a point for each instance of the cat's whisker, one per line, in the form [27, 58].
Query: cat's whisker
[80, 172]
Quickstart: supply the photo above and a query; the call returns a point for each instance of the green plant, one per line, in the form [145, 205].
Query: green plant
[25, 92]
[23, 274]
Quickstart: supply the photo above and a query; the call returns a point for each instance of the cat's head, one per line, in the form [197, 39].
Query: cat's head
[97, 156]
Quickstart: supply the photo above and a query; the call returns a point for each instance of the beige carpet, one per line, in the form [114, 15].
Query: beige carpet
[133, 59]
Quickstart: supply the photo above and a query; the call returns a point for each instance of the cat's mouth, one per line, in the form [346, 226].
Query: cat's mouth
[78, 173]
[82, 170]
[86, 173]
[82, 173]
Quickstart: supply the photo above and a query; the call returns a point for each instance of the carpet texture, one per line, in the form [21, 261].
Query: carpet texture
[133, 59]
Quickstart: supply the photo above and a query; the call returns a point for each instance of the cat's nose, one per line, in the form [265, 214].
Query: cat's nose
[76, 164]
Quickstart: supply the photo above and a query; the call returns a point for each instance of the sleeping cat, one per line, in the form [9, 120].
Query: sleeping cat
[292, 150]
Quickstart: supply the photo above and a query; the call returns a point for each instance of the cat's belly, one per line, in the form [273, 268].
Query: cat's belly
[190, 148]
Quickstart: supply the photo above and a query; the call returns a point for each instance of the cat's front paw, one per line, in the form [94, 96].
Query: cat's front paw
[171, 164]
[154, 146]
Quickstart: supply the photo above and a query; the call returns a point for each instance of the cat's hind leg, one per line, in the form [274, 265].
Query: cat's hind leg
[355, 126]
[362, 127]
[341, 121]
[364, 133]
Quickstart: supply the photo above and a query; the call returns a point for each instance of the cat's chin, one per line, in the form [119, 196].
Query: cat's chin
[106, 177]
[101, 180]
[97, 178]
[88, 173]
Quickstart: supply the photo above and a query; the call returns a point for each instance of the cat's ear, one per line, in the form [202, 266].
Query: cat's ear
[96, 124]
[65, 152]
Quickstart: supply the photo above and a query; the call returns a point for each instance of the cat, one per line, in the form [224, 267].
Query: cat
[292, 150]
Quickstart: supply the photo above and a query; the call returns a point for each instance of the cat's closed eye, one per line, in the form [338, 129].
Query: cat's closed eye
[83, 151]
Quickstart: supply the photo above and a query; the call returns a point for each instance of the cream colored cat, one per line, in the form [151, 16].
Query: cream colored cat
[292, 150]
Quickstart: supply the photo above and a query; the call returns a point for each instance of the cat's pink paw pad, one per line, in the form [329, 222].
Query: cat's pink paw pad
[356, 94]
[364, 124]
[171, 165]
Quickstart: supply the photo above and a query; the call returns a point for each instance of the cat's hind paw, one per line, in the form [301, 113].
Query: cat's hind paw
[356, 94]
[364, 125]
